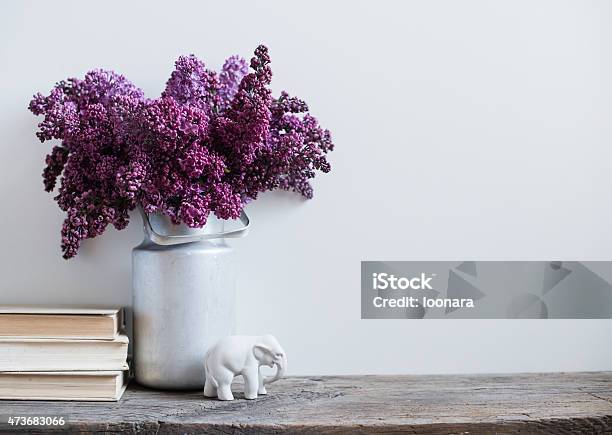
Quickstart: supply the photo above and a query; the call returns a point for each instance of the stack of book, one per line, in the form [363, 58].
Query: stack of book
[62, 354]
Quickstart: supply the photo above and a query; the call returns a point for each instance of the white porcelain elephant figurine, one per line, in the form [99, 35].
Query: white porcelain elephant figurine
[242, 355]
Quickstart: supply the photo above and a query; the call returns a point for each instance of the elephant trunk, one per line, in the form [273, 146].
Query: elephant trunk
[280, 372]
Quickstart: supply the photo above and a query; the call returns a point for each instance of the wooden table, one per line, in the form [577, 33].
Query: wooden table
[478, 404]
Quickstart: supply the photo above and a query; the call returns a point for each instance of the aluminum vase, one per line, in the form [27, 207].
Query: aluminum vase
[184, 299]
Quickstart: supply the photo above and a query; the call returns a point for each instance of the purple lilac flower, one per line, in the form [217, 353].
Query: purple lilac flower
[55, 165]
[234, 69]
[192, 84]
[209, 144]
[77, 112]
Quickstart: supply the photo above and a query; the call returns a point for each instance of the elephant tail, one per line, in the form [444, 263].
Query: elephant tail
[207, 372]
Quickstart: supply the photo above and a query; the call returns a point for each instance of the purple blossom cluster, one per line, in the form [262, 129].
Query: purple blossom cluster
[210, 143]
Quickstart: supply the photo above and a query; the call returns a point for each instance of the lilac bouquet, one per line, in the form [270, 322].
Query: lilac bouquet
[210, 143]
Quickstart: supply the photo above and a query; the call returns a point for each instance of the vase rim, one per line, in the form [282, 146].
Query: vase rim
[163, 225]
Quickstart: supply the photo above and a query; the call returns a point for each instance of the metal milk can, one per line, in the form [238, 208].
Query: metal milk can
[183, 283]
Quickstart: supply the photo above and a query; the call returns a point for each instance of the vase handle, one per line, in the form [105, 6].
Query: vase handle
[161, 239]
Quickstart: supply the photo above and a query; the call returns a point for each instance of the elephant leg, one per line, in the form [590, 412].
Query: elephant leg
[223, 377]
[251, 383]
[224, 392]
[262, 387]
[209, 389]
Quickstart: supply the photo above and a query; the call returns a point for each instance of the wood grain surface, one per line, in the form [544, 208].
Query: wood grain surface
[476, 404]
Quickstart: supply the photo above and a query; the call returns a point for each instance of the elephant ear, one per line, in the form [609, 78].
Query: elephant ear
[261, 351]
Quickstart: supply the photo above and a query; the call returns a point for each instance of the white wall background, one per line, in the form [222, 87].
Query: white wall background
[464, 130]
